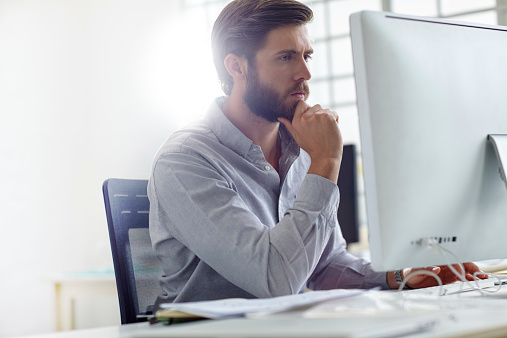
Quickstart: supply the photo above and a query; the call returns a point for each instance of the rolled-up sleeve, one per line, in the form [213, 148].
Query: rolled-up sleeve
[338, 269]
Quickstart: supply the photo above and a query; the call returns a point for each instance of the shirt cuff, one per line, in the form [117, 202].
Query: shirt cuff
[319, 193]
[376, 279]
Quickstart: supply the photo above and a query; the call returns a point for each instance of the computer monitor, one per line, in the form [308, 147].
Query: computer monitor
[429, 92]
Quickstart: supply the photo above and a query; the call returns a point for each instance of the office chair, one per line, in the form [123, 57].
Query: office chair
[348, 216]
[137, 269]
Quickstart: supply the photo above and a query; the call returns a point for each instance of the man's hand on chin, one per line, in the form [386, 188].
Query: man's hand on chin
[316, 130]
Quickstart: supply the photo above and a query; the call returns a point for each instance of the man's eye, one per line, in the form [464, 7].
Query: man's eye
[286, 57]
[308, 58]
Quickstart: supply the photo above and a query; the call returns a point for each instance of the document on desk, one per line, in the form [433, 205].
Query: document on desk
[236, 307]
[493, 265]
[376, 303]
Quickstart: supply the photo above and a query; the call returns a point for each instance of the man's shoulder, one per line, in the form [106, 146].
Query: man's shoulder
[191, 138]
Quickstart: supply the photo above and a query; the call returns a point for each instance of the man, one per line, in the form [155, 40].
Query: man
[243, 202]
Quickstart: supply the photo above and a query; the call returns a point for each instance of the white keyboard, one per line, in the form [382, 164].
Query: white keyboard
[458, 287]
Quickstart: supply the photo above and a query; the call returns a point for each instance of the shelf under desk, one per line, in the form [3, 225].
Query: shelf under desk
[76, 291]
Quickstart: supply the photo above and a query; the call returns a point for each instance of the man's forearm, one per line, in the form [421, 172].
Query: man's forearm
[328, 168]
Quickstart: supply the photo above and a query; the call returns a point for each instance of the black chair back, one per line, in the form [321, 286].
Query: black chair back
[136, 268]
[348, 215]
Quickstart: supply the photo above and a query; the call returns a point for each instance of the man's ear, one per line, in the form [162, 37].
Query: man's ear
[236, 66]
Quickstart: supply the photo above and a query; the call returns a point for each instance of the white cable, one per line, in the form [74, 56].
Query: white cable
[462, 276]
[422, 272]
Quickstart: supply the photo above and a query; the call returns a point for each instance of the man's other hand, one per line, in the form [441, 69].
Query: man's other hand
[444, 272]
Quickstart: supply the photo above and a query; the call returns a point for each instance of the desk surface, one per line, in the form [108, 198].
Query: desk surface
[119, 331]
[421, 317]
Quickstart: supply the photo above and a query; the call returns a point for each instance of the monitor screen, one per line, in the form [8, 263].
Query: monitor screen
[429, 92]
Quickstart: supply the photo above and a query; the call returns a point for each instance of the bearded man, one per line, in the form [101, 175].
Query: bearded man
[243, 202]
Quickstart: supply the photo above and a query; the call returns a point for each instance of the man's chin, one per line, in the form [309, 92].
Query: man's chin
[288, 114]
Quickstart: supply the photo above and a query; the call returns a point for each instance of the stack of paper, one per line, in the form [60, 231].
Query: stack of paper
[235, 307]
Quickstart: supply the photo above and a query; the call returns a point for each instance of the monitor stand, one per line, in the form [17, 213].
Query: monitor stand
[499, 142]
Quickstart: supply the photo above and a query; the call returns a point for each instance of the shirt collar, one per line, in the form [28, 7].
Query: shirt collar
[225, 131]
[233, 138]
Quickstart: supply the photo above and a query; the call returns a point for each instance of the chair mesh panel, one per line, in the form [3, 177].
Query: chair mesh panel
[146, 268]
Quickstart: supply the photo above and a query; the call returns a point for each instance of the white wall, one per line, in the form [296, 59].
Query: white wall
[89, 89]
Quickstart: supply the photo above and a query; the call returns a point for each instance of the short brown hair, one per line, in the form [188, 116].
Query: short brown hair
[242, 27]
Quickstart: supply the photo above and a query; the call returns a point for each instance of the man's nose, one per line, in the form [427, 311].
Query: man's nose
[303, 71]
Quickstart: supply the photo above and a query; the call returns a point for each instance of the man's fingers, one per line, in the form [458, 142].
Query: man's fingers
[435, 269]
[336, 117]
[287, 125]
[301, 108]
[472, 268]
[423, 280]
[445, 274]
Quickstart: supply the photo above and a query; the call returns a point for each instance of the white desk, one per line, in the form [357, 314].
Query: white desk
[118, 331]
[436, 317]
[457, 316]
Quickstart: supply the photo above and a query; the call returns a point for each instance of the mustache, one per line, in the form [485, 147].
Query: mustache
[300, 87]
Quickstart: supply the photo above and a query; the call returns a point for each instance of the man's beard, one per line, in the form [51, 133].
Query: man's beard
[264, 101]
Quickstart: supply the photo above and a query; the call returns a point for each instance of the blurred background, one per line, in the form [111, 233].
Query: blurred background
[89, 89]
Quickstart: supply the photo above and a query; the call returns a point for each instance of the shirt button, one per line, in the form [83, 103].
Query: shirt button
[267, 167]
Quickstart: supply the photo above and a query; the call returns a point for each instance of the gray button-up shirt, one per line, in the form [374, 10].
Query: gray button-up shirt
[225, 224]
